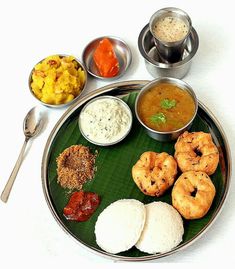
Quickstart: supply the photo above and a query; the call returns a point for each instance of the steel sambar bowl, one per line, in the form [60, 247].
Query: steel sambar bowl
[170, 135]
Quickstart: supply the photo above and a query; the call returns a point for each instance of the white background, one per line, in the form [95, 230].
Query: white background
[32, 30]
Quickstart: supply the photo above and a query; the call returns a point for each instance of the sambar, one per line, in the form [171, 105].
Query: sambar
[166, 107]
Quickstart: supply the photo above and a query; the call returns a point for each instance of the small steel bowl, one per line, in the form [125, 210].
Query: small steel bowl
[154, 64]
[59, 105]
[172, 135]
[108, 143]
[122, 52]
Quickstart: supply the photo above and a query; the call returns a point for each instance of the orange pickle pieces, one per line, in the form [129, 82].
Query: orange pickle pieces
[106, 59]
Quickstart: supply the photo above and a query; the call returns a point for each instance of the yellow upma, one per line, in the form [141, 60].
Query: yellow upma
[57, 80]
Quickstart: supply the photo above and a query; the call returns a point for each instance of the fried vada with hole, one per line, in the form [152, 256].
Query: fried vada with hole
[193, 194]
[154, 173]
[196, 152]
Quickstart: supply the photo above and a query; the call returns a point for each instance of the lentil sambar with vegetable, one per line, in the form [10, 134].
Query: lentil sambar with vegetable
[166, 107]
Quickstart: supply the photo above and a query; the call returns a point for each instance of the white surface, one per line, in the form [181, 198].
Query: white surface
[31, 30]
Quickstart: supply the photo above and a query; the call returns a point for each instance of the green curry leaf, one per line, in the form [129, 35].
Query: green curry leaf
[158, 118]
[168, 104]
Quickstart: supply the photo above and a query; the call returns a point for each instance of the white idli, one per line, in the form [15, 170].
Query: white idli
[163, 229]
[119, 225]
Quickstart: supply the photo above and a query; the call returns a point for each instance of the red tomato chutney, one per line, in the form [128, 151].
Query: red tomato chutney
[81, 206]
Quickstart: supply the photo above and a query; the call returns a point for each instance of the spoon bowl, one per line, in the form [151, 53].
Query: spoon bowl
[32, 123]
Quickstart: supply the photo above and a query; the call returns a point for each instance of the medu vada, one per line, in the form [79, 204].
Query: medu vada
[196, 152]
[154, 172]
[193, 194]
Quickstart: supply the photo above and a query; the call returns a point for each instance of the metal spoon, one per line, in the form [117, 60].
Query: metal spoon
[31, 127]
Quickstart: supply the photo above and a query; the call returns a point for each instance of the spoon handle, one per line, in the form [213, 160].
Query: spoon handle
[6, 192]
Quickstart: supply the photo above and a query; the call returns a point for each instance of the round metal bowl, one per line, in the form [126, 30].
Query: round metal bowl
[121, 50]
[80, 65]
[112, 142]
[154, 64]
[170, 51]
[171, 135]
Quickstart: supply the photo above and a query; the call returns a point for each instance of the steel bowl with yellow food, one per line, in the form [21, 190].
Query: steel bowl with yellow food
[58, 80]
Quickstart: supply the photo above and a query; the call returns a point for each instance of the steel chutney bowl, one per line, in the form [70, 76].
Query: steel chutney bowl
[103, 98]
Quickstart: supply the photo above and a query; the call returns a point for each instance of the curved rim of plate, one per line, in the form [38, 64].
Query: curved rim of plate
[130, 85]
